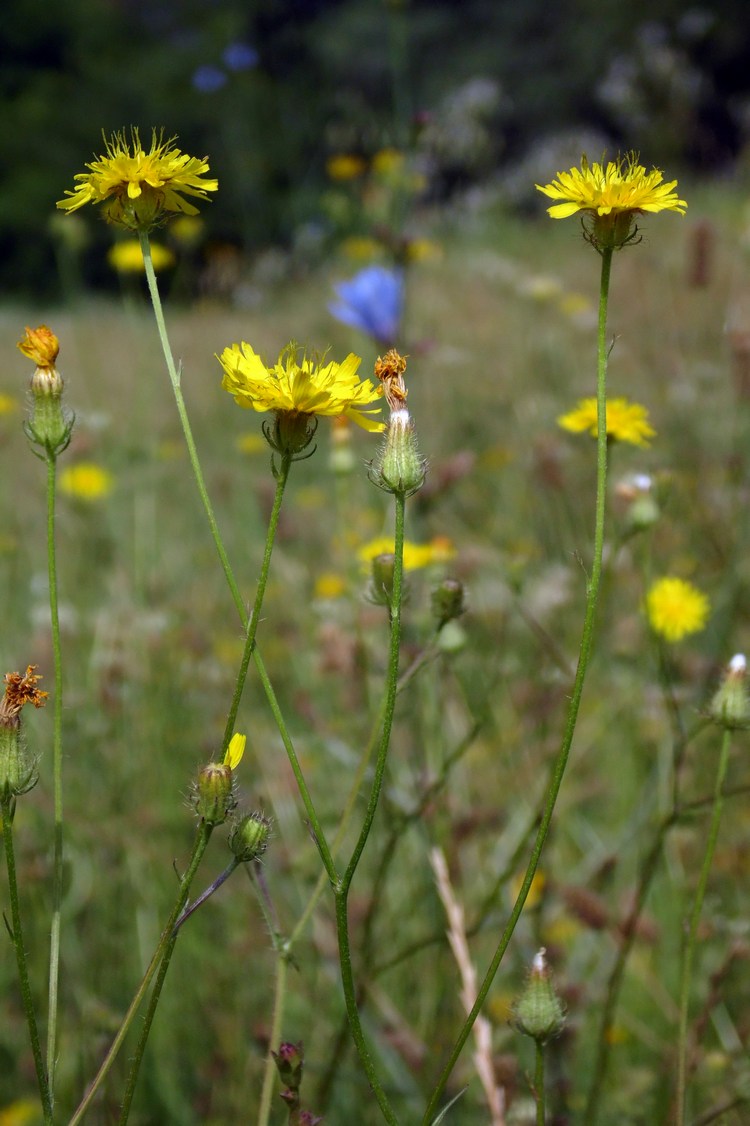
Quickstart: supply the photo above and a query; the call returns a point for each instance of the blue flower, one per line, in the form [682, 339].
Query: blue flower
[372, 301]
[240, 56]
[208, 79]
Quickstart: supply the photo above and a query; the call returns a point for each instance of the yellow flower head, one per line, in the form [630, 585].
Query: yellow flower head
[416, 555]
[235, 750]
[127, 258]
[40, 345]
[626, 421]
[86, 481]
[345, 166]
[675, 608]
[299, 385]
[620, 185]
[137, 187]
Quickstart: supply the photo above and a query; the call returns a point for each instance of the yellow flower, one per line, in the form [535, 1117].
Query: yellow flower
[386, 162]
[621, 185]
[416, 555]
[126, 257]
[187, 230]
[626, 421]
[22, 1112]
[138, 187]
[360, 248]
[675, 608]
[235, 750]
[329, 585]
[7, 404]
[86, 481]
[345, 166]
[423, 250]
[299, 385]
[251, 443]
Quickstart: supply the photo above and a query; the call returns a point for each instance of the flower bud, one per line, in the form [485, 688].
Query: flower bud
[447, 601]
[249, 837]
[539, 1012]
[290, 1061]
[213, 793]
[50, 426]
[398, 466]
[730, 706]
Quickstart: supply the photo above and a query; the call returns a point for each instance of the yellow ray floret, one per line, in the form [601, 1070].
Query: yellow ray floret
[607, 189]
[299, 384]
[140, 184]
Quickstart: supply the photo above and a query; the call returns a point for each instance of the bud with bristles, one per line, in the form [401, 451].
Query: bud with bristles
[249, 837]
[50, 426]
[730, 706]
[539, 1012]
[213, 793]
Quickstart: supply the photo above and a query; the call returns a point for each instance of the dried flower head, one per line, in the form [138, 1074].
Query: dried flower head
[20, 689]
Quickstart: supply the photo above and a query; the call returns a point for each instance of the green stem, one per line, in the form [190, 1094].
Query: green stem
[175, 376]
[269, 1075]
[539, 1083]
[6, 812]
[689, 953]
[341, 890]
[57, 863]
[584, 655]
[201, 841]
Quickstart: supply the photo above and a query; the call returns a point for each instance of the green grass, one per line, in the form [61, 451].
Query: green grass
[151, 641]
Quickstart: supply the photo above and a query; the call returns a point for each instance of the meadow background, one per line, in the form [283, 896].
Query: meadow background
[500, 330]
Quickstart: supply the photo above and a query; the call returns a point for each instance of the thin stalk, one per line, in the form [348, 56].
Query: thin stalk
[539, 1083]
[269, 1075]
[201, 841]
[341, 891]
[689, 952]
[175, 377]
[584, 655]
[6, 812]
[191, 908]
[57, 862]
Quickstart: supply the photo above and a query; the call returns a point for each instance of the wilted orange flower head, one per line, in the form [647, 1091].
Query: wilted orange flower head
[40, 345]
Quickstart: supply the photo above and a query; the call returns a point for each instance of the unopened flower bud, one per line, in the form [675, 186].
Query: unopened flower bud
[730, 706]
[290, 1061]
[213, 793]
[50, 426]
[249, 837]
[539, 1012]
[381, 585]
[398, 466]
[448, 601]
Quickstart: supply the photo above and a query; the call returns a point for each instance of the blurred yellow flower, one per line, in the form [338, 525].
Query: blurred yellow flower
[360, 248]
[329, 585]
[8, 405]
[416, 555]
[187, 229]
[386, 162]
[300, 385]
[345, 166]
[573, 304]
[423, 250]
[86, 481]
[138, 187]
[126, 257]
[626, 421]
[251, 443]
[22, 1112]
[621, 185]
[676, 608]
[535, 891]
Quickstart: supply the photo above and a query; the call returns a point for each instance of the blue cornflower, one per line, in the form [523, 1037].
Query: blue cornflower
[372, 301]
[208, 79]
[240, 56]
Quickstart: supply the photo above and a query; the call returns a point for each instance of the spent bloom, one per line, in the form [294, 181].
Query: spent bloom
[18, 772]
[86, 481]
[676, 608]
[372, 301]
[610, 196]
[138, 187]
[298, 388]
[626, 421]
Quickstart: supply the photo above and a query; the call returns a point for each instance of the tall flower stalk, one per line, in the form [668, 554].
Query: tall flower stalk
[609, 198]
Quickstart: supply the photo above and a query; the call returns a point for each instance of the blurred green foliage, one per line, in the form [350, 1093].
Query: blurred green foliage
[333, 75]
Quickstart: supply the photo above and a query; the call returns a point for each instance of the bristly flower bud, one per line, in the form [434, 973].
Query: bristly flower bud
[50, 426]
[213, 796]
[18, 773]
[448, 601]
[539, 1012]
[730, 706]
[249, 837]
[290, 1062]
[398, 466]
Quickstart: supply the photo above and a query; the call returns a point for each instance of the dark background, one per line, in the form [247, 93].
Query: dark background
[326, 76]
